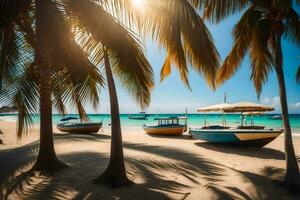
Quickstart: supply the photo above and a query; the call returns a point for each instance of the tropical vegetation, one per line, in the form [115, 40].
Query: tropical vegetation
[259, 32]
[39, 68]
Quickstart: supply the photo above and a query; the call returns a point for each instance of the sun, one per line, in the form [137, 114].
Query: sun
[137, 3]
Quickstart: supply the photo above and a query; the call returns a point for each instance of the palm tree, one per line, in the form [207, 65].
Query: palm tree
[123, 57]
[119, 46]
[38, 64]
[260, 31]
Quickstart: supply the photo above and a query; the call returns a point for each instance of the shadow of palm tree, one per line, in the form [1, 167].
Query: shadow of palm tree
[265, 153]
[75, 181]
[175, 137]
[265, 186]
[25, 155]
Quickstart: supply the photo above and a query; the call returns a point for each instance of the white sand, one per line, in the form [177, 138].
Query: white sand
[160, 167]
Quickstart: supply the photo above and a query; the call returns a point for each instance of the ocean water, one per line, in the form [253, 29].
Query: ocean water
[194, 120]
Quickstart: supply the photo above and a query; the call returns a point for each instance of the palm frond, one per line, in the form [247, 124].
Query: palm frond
[216, 10]
[292, 25]
[23, 93]
[262, 60]
[242, 33]
[10, 10]
[128, 60]
[178, 28]
[75, 77]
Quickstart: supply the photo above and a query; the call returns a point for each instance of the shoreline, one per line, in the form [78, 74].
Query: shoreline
[160, 167]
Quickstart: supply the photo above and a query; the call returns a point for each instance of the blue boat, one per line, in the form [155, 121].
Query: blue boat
[237, 137]
[254, 136]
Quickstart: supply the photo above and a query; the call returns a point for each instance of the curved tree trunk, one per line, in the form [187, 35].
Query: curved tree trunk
[46, 159]
[292, 177]
[115, 174]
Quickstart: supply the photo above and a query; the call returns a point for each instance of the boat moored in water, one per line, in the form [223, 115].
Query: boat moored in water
[139, 116]
[254, 136]
[71, 125]
[167, 126]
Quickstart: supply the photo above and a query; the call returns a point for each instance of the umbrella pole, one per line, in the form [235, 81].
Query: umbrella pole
[242, 119]
[204, 120]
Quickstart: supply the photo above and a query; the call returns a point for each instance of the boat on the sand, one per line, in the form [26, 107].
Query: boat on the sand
[254, 136]
[167, 126]
[72, 125]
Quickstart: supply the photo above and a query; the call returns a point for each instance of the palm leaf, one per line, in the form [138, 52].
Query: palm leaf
[177, 27]
[242, 35]
[23, 93]
[216, 10]
[261, 58]
[126, 54]
[292, 24]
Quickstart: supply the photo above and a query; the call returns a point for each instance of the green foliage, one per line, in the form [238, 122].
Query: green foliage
[255, 33]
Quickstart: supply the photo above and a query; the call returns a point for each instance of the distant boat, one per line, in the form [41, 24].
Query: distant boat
[139, 116]
[71, 125]
[254, 136]
[276, 117]
[167, 126]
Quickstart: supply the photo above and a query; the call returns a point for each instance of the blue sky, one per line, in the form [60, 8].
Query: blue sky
[171, 96]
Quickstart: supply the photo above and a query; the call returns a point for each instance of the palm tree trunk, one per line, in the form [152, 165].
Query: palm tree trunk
[46, 159]
[292, 177]
[115, 174]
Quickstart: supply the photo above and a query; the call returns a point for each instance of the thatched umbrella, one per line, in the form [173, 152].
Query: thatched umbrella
[215, 108]
[245, 106]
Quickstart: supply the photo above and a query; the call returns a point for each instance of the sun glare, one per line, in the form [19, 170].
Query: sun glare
[137, 3]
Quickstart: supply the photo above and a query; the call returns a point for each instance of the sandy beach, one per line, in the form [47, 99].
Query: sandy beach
[160, 167]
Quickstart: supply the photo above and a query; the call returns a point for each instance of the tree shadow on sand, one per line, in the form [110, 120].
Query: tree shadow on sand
[75, 182]
[264, 153]
[14, 159]
[175, 137]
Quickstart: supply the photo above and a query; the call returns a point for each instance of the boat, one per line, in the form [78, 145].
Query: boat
[245, 136]
[237, 137]
[73, 125]
[139, 116]
[276, 117]
[167, 126]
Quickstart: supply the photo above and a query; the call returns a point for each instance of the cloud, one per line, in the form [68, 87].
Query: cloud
[273, 101]
[297, 105]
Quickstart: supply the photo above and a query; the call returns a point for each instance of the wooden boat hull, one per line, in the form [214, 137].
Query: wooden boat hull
[236, 137]
[80, 128]
[165, 130]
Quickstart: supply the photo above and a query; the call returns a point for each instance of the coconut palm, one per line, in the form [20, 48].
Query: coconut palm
[122, 53]
[38, 64]
[259, 32]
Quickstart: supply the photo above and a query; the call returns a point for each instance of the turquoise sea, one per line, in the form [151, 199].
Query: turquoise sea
[194, 120]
